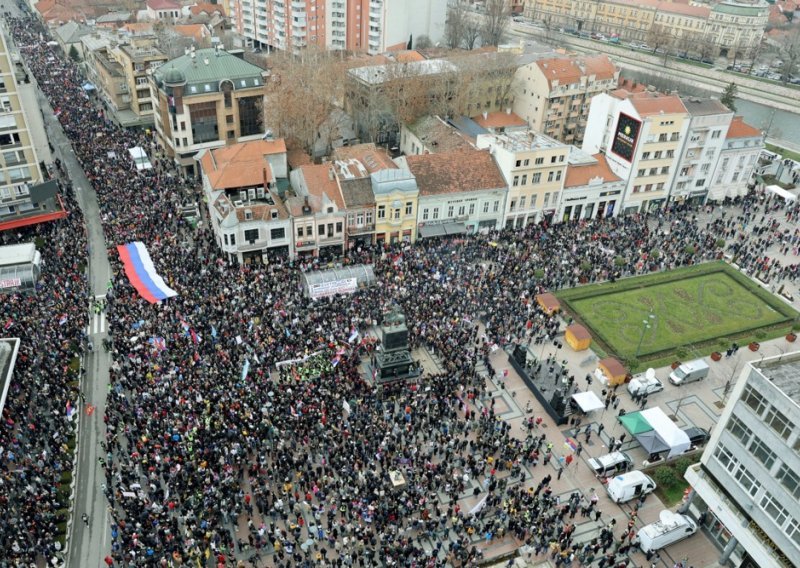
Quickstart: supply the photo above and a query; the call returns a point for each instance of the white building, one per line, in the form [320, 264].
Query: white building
[395, 23]
[459, 192]
[709, 120]
[746, 488]
[591, 189]
[318, 211]
[738, 158]
[163, 10]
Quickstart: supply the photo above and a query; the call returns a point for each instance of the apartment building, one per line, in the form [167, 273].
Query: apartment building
[738, 157]
[554, 94]
[459, 192]
[641, 134]
[206, 99]
[318, 211]
[746, 488]
[709, 121]
[249, 219]
[138, 58]
[285, 25]
[730, 28]
[534, 167]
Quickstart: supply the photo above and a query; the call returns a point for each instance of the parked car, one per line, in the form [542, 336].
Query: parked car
[697, 436]
[645, 384]
[610, 464]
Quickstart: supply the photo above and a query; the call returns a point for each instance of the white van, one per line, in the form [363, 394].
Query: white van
[645, 384]
[689, 372]
[629, 486]
[669, 529]
[610, 464]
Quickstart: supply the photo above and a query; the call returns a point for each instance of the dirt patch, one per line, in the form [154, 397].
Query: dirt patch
[683, 295]
[675, 327]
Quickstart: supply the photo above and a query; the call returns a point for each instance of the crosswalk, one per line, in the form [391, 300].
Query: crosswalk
[97, 321]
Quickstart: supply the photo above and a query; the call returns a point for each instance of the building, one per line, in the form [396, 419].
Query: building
[534, 167]
[591, 189]
[641, 134]
[280, 24]
[163, 10]
[317, 210]
[709, 120]
[459, 192]
[746, 488]
[24, 199]
[69, 35]
[249, 219]
[106, 76]
[738, 158]
[137, 59]
[430, 135]
[731, 29]
[376, 26]
[359, 203]
[206, 99]
[554, 94]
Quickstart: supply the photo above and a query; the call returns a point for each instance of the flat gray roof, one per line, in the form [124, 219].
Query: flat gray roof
[783, 372]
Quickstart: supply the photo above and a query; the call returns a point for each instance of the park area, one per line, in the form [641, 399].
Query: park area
[689, 312]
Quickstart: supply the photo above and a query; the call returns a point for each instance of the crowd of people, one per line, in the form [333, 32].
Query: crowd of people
[215, 457]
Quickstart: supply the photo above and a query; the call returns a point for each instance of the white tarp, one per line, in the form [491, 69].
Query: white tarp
[674, 437]
[779, 191]
[140, 159]
[588, 401]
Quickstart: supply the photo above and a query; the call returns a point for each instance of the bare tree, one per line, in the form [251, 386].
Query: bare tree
[472, 31]
[789, 50]
[423, 42]
[302, 95]
[455, 25]
[659, 37]
[495, 21]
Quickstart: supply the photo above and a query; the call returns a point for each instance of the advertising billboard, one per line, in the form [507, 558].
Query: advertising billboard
[626, 136]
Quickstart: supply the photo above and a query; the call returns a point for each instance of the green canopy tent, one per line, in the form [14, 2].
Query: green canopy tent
[635, 423]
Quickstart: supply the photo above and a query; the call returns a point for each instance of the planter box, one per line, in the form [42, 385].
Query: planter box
[676, 364]
[754, 346]
[791, 338]
[716, 356]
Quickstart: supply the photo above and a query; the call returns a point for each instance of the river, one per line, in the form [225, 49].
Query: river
[784, 125]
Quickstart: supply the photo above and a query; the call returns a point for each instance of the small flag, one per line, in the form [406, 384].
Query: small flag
[335, 360]
[353, 336]
[245, 369]
[8, 324]
[213, 332]
[571, 443]
[63, 319]
[185, 326]
[159, 344]
[195, 337]
[70, 410]
[346, 406]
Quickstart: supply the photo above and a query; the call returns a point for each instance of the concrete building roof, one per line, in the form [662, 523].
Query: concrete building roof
[379, 74]
[648, 103]
[740, 9]
[357, 192]
[526, 141]
[740, 129]
[704, 107]
[568, 70]
[455, 172]
[783, 372]
[373, 159]
[114, 17]
[72, 32]
[197, 32]
[438, 136]
[580, 174]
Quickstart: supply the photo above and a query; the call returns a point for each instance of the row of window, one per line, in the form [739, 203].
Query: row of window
[642, 172]
[773, 417]
[394, 212]
[535, 178]
[648, 187]
[522, 200]
[333, 229]
[433, 213]
[539, 161]
[359, 219]
[252, 235]
[657, 155]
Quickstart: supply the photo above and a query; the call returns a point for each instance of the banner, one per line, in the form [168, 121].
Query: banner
[625, 137]
[325, 289]
[142, 273]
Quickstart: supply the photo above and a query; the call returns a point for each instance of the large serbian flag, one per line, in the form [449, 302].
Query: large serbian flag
[142, 273]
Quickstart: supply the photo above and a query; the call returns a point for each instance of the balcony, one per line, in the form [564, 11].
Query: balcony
[360, 229]
[299, 6]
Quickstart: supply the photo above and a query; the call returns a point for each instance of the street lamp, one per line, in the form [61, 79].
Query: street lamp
[645, 326]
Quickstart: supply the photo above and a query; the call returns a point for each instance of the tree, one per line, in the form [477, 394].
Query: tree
[659, 36]
[423, 42]
[472, 31]
[789, 50]
[729, 96]
[495, 21]
[455, 26]
[73, 53]
[665, 476]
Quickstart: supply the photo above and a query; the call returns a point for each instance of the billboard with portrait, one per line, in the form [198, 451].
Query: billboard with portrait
[626, 136]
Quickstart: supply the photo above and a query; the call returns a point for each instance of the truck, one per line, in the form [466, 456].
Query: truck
[668, 529]
[627, 486]
[645, 384]
[696, 370]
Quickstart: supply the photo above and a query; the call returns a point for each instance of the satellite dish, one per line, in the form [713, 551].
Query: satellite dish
[650, 374]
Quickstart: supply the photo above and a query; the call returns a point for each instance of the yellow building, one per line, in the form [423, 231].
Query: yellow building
[136, 60]
[206, 99]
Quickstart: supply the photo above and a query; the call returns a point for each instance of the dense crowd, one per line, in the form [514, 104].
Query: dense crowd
[211, 465]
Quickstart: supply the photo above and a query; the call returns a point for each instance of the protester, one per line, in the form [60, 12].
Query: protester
[216, 452]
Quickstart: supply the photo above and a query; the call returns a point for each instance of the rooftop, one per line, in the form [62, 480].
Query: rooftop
[163, 5]
[568, 70]
[241, 165]
[373, 159]
[357, 192]
[526, 141]
[438, 136]
[582, 173]
[114, 18]
[208, 68]
[648, 103]
[740, 9]
[499, 120]
[195, 31]
[783, 371]
[704, 107]
[740, 129]
[9, 347]
[205, 7]
[379, 74]
[455, 172]
[321, 181]
[72, 32]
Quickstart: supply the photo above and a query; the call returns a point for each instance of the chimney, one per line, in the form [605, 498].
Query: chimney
[485, 115]
[330, 174]
[205, 60]
[508, 110]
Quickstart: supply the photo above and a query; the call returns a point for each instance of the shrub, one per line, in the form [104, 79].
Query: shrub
[682, 352]
[586, 266]
[538, 273]
[720, 243]
[619, 261]
[681, 465]
[665, 476]
[760, 334]
[655, 254]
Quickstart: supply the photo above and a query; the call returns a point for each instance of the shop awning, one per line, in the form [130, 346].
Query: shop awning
[588, 401]
[431, 231]
[455, 228]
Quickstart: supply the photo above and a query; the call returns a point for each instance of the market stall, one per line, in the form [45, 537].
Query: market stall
[549, 303]
[613, 371]
[578, 337]
[588, 401]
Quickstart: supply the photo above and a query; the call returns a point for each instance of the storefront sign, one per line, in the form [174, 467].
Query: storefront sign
[626, 136]
[325, 289]
[10, 283]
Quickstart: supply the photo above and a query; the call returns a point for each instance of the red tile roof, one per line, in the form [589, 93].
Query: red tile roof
[207, 8]
[580, 174]
[648, 103]
[455, 172]
[320, 180]
[499, 120]
[740, 129]
[163, 5]
[240, 165]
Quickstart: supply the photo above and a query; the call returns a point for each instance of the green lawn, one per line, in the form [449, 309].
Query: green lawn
[690, 307]
[783, 152]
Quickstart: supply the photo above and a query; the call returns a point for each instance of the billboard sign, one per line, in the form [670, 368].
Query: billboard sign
[626, 136]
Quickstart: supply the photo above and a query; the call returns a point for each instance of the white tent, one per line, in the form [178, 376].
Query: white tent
[674, 437]
[588, 401]
[780, 192]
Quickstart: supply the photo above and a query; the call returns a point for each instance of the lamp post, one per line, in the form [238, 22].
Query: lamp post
[645, 326]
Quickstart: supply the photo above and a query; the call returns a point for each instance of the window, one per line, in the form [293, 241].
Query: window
[716, 134]
[553, 159]
[558, 175]
[645, 155]
[536, 178]
[550, 176]
[739, 430]
[496, 207]
[425, 214]
[251, 235]
[670, 153]
[793, 530]
[522, 202]
[321, 230]
[471, 208]
[665, 170]
[381, 212]
[747, 481]
[754, 400]
[561, 158]
[299, 231]
[233, 238]
[524, 180]
[762, 453]
[462, 210]
[338, 227]
[449, 210]
[774, 509]
[515, 183]
[539, 161]
[409, 207]
[725, 457]
[225, 236]
[657, 155]
[435, 212]
[526, 162]
[648, 187]
[637, 188]
[546, 199]
[486, 207]
[789, 479]
[778, 422]
[513, 206]
[700, 182]
[518, 163]
[653, 171]
[641, 172]
[396, 214]
[277, 234]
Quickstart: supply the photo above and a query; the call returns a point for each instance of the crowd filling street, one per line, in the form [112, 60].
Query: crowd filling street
[207, 463]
